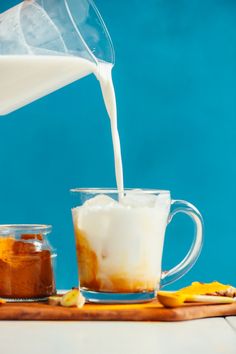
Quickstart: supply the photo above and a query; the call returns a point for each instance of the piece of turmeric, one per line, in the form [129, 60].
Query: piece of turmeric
[214, 292]
[197, 288]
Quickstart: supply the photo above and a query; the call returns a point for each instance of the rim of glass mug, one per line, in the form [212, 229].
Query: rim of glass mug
[114, 191]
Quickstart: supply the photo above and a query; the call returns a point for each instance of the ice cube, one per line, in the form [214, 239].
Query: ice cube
[138, 198]
[100, 200]
[163, 201]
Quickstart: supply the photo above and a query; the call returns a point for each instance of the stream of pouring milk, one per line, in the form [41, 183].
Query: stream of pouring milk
[105, 78]
[25, 78]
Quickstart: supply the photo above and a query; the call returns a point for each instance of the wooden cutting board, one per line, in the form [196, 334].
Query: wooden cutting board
[93, 312]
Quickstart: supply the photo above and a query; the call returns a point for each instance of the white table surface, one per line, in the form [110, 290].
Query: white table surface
[232, 322]
[207, 336]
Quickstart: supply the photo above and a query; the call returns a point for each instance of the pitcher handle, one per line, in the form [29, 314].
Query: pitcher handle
[181, 206]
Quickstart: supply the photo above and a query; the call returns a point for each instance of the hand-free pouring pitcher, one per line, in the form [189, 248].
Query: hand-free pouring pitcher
[47, 44]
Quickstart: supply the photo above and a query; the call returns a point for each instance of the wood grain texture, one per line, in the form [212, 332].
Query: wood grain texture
[93, 312]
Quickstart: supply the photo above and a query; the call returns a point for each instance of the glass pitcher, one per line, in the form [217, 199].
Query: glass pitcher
[47, 44]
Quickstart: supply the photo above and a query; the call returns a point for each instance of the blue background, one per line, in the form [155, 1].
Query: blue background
[175, 78]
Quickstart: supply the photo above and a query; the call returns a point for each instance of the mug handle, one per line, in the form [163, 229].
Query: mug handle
[181, 206]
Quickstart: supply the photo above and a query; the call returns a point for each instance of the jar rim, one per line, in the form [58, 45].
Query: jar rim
[25, 228]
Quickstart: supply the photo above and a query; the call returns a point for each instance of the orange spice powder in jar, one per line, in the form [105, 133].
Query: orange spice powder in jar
[26, 262]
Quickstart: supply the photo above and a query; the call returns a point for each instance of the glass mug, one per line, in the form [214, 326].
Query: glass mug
[120, 242]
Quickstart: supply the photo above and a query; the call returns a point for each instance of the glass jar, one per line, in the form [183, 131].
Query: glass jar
[26, 263]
